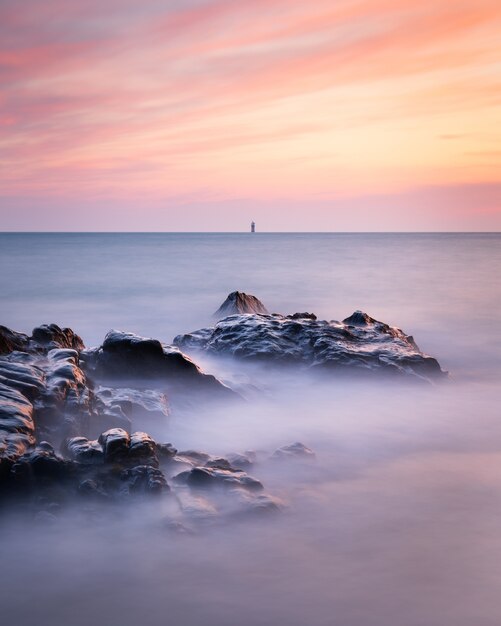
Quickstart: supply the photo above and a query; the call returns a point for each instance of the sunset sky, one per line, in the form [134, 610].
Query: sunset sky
[205, 114]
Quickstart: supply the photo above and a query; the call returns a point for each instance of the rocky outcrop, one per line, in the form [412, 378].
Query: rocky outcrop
[359, 345]
[128, 357]
[48, 388]
[238, 303]
[43, 338]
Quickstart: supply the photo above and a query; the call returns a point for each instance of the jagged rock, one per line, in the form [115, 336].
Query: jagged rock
[294, 451]
[11, 341]
[43, 339]
[50, 336]
[210, 477]
[145, 479]
[239, 303]
[359, 345]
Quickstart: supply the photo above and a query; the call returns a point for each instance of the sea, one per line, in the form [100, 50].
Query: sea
[398, 521]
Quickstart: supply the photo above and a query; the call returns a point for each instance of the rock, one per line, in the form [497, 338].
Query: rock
[20, 385]
[220, 463]
[11, 341]
[166, 451]
[43, 339]
[40, 463]
[115, 443]
[128, 408]
[143, 447]
[212, 477]
[240, 303]
[242, 461]
[302, 316]
[81, 450]
[294, 451]
[194, 456]
[50, 336]
[145, 479]
[129, 357]
[360, 345]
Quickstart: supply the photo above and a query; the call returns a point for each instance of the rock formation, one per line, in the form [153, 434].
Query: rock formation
[238, 303]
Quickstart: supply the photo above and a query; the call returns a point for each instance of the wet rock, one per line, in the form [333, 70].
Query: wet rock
[135, 403]
[115, 444]
[145, 479]
[43, 339]
[166, 451]
[302, 316]
[240, 303]
[40, 463]
[81, 450]
[212, 477]
[20, 385]
[360, 345]
[194, 456]
[10, 340]
[50, 336]
[294, 451]
[125, 356]
[143, 447]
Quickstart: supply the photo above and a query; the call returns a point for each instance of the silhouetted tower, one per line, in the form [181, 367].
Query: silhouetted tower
[253, 227]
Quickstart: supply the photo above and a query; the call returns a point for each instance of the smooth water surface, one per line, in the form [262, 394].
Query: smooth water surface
[397, 523]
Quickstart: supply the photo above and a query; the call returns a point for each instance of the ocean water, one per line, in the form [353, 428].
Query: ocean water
[442, 288]
[398, 520]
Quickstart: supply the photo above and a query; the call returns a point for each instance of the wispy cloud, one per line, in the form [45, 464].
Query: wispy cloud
[134, 102]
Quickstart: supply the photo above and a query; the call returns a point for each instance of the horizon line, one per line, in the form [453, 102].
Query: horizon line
[247, 232]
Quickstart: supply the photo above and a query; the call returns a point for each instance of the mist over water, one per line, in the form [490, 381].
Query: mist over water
[397, 520]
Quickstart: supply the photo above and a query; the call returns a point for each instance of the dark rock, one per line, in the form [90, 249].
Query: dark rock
[302, 316]
[50, 336]
[360, 345]
[125, 356]
[115, 443]
[166, 451]
[143, 447]
[210, 477]
[10, 340]
[145, 479]
[81, 450]
[240, 303]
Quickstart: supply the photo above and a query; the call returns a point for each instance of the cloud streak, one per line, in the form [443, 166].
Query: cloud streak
[127, 103]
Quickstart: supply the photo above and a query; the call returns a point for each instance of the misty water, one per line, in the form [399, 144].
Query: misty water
[398, 520]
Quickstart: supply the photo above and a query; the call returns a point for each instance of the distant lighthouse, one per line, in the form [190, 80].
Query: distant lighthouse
[253, 227]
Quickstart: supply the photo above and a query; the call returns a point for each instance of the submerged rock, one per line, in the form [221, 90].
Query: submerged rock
[294, 451]
[359, 345]
[238, 303]
[215, 477]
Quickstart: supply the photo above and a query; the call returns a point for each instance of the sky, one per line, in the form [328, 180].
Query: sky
[195, 115]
